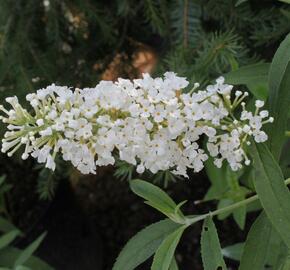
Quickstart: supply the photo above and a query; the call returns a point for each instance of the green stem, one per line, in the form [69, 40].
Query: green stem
[190, 221]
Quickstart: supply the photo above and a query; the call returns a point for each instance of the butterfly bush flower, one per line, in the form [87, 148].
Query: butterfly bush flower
[147, 122]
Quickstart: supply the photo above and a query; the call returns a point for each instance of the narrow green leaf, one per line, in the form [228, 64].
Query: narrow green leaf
[177, 209]
[173, 265]
[254, 206]
[2, 179]
[165, 253]
[234, 252]
[281, 259]
[272, 191]
[224, 203]
[240, 216]
[234, 193]
[257, 244]
[6, 226]
[21, 267]
[166, 211]
[239, 2]
[143, 245]
[10, 254]
[237, 193]
[7, 238]
[276, 249]
[217, 178]
[28, 251]
[285, 1]
[253, 76]
[279, 97]
[285, 12]
[211, 253]
[286, 263]
[233, 62]
[264, 238]
[155, 196]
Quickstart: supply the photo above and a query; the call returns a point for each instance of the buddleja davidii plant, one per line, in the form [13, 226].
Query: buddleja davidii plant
[161, 238]
[268, 241]
[13, 258]
[271, 230]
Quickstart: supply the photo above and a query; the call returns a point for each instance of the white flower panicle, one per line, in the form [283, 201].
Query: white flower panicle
[146, 122]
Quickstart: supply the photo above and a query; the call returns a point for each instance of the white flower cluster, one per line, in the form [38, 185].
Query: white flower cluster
[146, 122]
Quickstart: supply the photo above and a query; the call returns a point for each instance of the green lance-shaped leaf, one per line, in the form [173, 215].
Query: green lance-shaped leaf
[272, 191]
[21, 267]
[28, 251]
[165, 253]
[2, 179]
[239, 215]
[173, 265]
[233, 192]
[234, 251]
[237, 193]
[279, 96]
[144, 244]
[239, 2]
[6, 226]
[10, 254]
[286, 263]
[254, 76]
[211, 252]
[155, 197]
[217, 178]
[256, 247]
[7, 238]
[224, 203]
